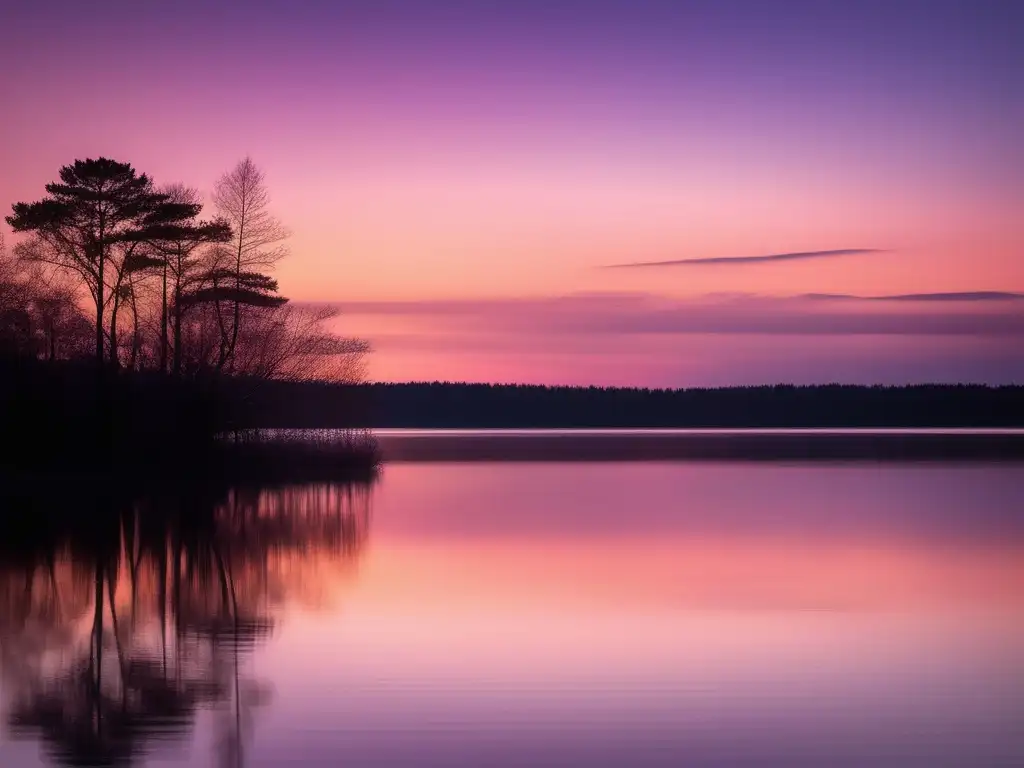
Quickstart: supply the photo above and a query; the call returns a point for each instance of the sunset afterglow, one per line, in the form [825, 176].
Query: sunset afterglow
[430, 153]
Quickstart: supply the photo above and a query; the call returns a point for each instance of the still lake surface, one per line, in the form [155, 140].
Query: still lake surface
[528, 613]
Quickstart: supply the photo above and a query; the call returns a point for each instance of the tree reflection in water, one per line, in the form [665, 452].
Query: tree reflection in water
[122, 615]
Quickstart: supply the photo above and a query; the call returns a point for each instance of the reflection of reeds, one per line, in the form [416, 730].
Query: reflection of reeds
[120, 616]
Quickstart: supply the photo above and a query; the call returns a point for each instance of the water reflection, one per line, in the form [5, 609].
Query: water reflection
[121, 615]
[514, 614]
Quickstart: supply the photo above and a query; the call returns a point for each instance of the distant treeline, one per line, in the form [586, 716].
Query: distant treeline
[445, 405]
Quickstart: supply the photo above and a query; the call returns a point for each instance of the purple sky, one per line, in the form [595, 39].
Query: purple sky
[425, 153]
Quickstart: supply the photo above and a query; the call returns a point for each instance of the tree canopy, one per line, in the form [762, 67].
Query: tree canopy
[197, 292]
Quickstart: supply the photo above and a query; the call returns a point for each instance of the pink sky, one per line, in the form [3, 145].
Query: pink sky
[472, 155]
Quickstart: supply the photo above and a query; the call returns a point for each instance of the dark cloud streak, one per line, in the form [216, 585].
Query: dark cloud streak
[795, 256]
[971, 296]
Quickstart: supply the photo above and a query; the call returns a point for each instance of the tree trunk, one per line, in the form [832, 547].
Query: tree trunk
[113, 327]
[101, 260]
[114, 362]
[136, 340]
[163, 322]
[227, 349]
[99, 315]
[238, 285]
[177, 318]
[222, 355]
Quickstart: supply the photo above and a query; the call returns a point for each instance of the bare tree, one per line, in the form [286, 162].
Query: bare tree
[242, 199]
[39, 310]
[15, 321]
[54, 300]
[295, 343]
[8, 277]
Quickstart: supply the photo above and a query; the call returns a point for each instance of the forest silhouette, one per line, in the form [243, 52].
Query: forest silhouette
[133, 330]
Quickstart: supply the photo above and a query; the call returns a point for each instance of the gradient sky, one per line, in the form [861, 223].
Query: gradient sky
[490, 156]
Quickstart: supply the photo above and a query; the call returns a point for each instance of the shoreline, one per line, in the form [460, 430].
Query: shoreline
[706, 445]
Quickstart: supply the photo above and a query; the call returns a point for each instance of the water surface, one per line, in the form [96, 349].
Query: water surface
[642, 613]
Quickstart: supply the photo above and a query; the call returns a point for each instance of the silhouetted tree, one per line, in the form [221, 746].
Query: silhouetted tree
[15, 321]
[294, 343]
[39, 312]
[150, 267]
[238, 280]
[62, 329]
[178, 243]
[94, 223]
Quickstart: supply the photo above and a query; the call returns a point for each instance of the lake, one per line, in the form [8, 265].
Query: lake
[564, 612]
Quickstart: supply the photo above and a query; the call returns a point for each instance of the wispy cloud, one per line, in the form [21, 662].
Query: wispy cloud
[624, 338]
[991, 313]
[795, 256]
[954, 296]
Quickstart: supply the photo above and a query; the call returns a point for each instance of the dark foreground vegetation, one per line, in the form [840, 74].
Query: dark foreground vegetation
[145, 426]
[437, 405]
[134, 334]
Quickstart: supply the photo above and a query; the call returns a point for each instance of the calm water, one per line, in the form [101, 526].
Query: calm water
[579, 613]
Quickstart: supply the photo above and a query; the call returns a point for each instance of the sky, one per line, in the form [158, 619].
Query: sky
[497, 191]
